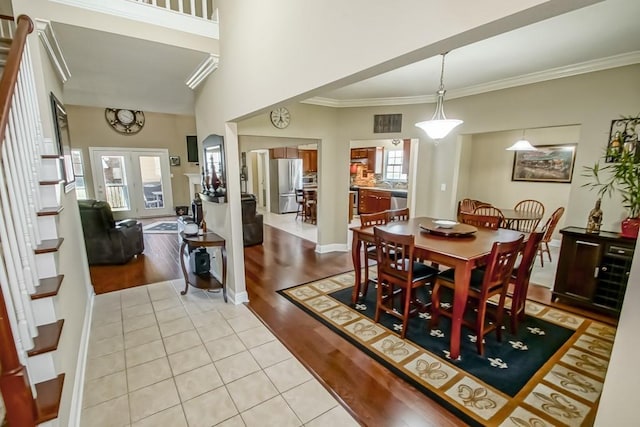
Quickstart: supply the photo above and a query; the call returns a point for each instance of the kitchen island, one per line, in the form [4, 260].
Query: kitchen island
[377, 199]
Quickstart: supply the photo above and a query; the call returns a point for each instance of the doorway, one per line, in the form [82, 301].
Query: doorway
[136, 182]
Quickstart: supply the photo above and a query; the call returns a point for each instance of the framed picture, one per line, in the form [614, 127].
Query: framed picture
[387, 123]
[174, 160]
[61, 125]
[623, 135]
[550, 163]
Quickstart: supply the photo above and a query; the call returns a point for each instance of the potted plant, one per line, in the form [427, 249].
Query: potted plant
[621, 175]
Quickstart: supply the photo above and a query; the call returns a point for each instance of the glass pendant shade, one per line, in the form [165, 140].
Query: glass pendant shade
[522, 145]
[439, 126]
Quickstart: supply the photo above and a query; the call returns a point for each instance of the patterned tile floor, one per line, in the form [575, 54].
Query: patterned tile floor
[160, 359]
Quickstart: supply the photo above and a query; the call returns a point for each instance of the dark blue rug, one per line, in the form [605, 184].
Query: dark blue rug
[549, 373]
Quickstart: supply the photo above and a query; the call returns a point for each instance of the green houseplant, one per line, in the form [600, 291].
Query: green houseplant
[621, 174]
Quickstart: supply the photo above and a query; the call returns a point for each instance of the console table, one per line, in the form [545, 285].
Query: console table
[203, 281]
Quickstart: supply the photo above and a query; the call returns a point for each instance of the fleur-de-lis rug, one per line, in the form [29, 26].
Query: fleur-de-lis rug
[550, 373]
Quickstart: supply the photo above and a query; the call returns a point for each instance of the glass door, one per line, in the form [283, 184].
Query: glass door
[136, 183]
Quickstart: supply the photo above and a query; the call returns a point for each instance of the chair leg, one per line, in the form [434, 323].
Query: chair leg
[378, 302]
[482, 309]
[405, 313]
[435, 306]
[548, 251]
[540, 251]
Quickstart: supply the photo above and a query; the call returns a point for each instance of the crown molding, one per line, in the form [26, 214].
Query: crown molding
[50, 43]
[202, 71]
[551, 74]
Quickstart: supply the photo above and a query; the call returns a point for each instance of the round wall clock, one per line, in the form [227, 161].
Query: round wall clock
[280, 117]
[124, 121]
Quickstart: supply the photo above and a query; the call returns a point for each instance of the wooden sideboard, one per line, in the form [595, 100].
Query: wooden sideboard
[593, 269]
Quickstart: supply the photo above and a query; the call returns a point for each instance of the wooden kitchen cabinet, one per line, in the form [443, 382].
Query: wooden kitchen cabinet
[593, 269]
[373, 155]
[284, 153]
[309, 160]
[371, 201]
[406, 154]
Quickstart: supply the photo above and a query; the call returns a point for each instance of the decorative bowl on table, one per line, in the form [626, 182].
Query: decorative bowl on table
[444, 223]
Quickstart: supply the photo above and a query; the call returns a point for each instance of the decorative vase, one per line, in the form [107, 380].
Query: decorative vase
[630, 227]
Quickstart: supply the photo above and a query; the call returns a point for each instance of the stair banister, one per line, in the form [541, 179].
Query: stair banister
[14, 382]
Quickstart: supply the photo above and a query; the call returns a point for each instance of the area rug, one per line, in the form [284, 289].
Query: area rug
[550, 373]
[161, 227]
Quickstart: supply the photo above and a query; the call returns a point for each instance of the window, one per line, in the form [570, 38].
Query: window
[78, 172]
[393, 169]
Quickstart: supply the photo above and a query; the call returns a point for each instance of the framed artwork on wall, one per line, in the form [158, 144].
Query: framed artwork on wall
[623, 135]
[550, 163]
[387, 123]
[63, 140]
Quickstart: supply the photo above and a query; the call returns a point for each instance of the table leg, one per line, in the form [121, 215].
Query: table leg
[223, 251]
[184, 269]
[460, 293]
[355, 254]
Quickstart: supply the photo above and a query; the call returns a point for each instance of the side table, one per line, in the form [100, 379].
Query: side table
[203, 281]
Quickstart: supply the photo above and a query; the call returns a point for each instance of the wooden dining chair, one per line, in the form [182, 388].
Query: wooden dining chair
[399, 272]
[398, 214]
[370, 220]
[484, 221]
[549, 228]
[490, 211]
[492, 280]
[520, 278]
[533, 207]
[310, 206]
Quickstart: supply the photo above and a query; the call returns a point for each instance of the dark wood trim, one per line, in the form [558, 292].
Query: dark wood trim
[48, 287]
[47, 339]
[11, 69]
[48, 400]
[52, 182]
[7, 17]
[54, 210]
[51, 245]
[52, 156]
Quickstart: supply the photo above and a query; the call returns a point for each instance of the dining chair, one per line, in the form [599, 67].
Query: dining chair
[520, 278]
[301, 203]
[370, 220]
[490, 211]
[549, 228]
[484, 221]
[492, 280]
[398, 214]
[530, 206]
[399, 273]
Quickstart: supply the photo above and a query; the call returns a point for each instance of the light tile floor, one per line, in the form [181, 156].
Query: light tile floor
[160, 359]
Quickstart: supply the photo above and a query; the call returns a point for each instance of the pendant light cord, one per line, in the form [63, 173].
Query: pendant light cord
[442, 71]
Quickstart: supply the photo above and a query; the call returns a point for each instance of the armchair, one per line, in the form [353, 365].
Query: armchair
[252, 232]
[108, 241]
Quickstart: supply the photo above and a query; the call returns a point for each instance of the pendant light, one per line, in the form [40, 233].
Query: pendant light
[439, 126]
[522, 145]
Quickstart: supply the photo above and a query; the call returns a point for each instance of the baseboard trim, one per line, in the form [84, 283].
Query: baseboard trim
[238, 298]
[334, 247]
[75, 412]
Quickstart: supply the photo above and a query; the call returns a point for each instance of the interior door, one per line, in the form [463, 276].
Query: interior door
[135, 182]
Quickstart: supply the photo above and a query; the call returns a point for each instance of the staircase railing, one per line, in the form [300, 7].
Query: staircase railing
[204, 9]
[18, 233]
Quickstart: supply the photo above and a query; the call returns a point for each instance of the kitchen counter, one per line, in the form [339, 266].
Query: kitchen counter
[395, 192]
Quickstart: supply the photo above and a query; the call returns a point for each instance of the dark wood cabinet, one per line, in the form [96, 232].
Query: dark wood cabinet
[309, 160]
[593, 269]
[371, 201]
[284, 153]
[406, 153]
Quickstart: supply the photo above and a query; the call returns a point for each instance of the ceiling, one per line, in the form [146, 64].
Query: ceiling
[113, 70]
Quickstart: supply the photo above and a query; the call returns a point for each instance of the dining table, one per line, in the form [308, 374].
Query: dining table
[513, 216]
[463, 251]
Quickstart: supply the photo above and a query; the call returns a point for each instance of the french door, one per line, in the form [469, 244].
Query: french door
[135, 182]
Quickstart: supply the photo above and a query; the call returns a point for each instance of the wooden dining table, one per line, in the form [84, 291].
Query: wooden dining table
[512, 216]
[464, 253]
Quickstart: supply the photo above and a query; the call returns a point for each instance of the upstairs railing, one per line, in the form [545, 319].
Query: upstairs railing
[20, 135]
[204, 9]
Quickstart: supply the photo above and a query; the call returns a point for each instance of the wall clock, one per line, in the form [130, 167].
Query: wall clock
[124, 121]
[280, 117]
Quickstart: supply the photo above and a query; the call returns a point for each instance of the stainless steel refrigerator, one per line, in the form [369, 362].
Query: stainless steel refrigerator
[285, 177]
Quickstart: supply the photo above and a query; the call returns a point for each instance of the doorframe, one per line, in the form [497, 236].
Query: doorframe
[136, 189]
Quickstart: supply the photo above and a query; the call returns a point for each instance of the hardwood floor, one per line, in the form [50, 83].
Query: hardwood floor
[374, 395]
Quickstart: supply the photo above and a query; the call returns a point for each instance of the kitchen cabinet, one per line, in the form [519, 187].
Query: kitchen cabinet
[371, 201]
[309, 160]
[374, 158]
[284, 153]
[593, 269]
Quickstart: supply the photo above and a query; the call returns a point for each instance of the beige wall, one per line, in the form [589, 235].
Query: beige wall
[89, 128]
[489, 173]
